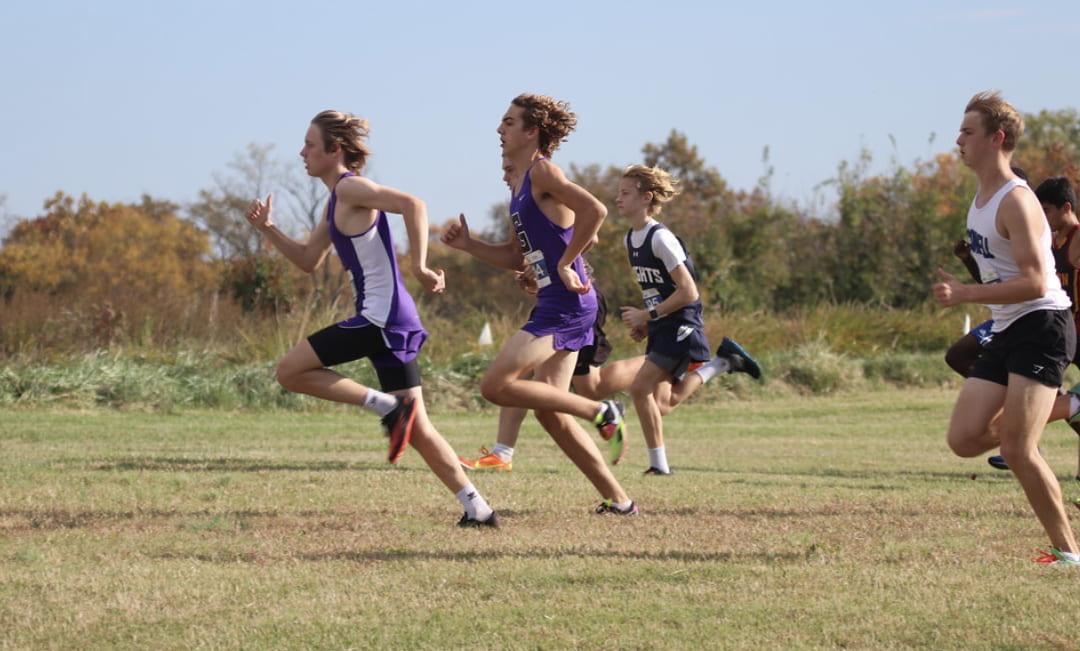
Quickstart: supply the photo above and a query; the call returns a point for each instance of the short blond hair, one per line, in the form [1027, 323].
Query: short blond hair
[663, 186]
[998, 114]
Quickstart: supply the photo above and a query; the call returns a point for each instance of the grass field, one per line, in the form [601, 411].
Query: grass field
[797, 523]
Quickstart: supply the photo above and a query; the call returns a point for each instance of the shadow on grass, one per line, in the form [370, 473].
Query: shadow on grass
[876, 475]
[32, 520]
[55, 519]
[44, 519]
[225, 464]
[471, 556]
[375, 555]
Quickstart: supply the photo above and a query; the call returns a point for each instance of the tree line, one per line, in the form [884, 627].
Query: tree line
[879, 245]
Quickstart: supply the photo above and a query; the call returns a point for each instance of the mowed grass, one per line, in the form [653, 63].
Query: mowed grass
[790, 523]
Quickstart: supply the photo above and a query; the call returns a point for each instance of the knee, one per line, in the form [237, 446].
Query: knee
[587, 389]
[1017, 455]
[285, 375]
[962, 445]
[491, 388]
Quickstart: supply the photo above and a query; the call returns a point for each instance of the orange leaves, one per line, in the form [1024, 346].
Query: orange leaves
[93, 250]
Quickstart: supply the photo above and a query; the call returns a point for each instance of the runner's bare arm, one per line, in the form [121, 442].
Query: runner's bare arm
[306, 255]
[589, 214]
[1020, 219]
[361, 192]
[506, 255]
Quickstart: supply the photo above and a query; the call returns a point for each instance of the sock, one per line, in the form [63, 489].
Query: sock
[1074, 404]
[658, 459]
[476, 507]
[623, 506]
[380, 403]
[716, 366]
[504, 452]
[1071, 556]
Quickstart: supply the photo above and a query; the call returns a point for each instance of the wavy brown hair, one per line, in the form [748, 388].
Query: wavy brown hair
[348, 132]
[998, 114]
[552, 117]
[663, 186]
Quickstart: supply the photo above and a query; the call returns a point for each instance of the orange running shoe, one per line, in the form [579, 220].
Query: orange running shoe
[398, 426]
[487, 461]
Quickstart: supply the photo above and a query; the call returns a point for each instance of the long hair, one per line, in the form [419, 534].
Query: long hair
[348, 132]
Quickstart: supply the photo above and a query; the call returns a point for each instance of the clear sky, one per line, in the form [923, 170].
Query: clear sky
[116, 99]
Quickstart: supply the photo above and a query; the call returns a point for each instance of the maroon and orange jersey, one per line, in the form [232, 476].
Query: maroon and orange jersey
[1066, 272]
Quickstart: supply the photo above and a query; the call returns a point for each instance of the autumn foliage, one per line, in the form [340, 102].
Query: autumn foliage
[89, 251]
[85, 274]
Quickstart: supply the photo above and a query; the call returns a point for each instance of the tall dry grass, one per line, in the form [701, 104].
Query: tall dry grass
[49, 327]
[205, 351]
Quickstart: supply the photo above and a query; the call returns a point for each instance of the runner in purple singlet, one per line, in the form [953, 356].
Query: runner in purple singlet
[594, 377]
[386, 328]
[554, 222]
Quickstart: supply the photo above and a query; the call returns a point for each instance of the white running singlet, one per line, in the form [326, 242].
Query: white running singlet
[993, 253]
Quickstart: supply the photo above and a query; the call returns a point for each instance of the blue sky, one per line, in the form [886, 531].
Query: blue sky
[115, 99]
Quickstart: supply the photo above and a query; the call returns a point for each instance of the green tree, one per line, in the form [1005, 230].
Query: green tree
[880, 244]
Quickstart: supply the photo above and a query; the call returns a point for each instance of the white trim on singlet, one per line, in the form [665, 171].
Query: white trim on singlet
[379, 281]
[993, 254]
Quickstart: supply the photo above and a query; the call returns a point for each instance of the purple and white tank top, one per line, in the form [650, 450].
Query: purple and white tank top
[543, 243]
[369, 257]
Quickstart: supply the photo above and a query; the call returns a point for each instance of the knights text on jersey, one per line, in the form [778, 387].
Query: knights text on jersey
[655, 279]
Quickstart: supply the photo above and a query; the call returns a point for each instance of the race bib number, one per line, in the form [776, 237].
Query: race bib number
[535, 259]
[652, 298]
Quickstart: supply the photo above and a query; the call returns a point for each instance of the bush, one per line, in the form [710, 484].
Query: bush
[909, 369]
[208, 381]
[814, 368]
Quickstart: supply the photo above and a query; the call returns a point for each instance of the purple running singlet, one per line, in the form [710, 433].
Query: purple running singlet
[380, 295]
[566, 315]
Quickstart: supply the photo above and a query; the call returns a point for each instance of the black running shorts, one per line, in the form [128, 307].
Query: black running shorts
[336, 345]
[1038, 345]
[595, 354]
